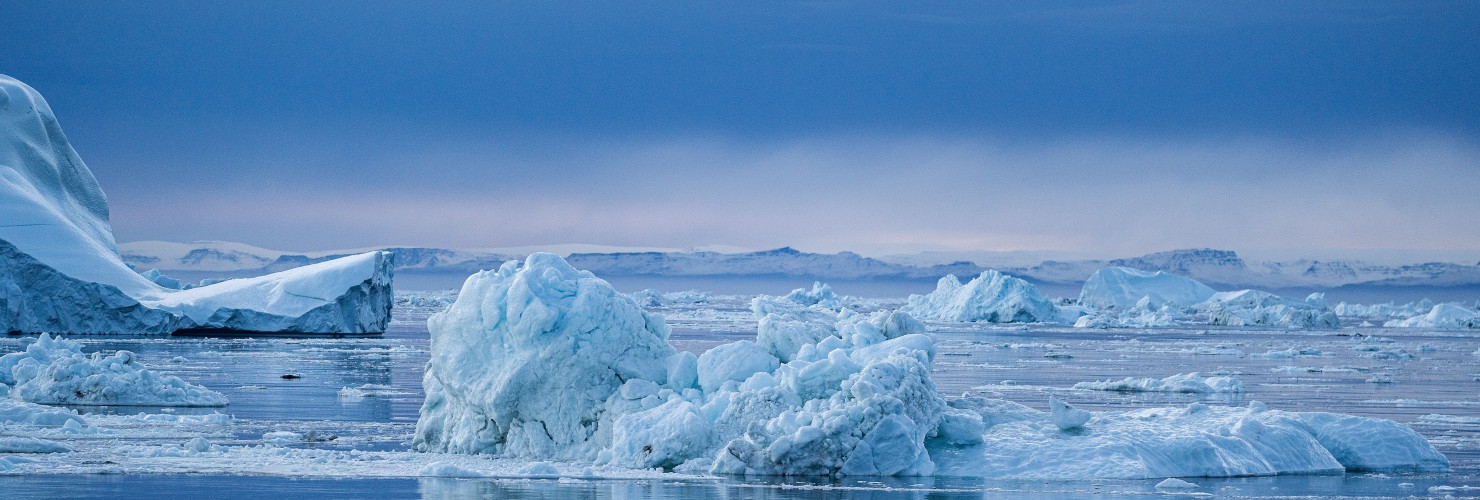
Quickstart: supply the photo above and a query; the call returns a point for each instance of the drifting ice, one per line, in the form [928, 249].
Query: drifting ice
[60, 271]
[991, 297]
[539, 360]
[1124, 297]
[54, 371]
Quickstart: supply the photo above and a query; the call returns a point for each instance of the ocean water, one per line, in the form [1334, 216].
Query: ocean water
[356, 395]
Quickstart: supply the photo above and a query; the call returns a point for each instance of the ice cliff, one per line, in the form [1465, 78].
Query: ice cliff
[60, 270]
[540, 360]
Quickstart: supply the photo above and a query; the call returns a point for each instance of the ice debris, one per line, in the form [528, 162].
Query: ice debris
[1183, 383]
[53, 370]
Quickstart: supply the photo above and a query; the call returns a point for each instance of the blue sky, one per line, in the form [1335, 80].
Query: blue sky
[1113, 127]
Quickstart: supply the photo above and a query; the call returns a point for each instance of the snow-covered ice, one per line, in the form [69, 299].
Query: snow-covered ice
[60, 270]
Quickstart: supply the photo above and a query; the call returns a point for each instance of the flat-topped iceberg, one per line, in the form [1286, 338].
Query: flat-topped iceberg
[60, 270]
[539, 360]
[1124, 288]
[55, 371]
[1129, 298]
[992, 297]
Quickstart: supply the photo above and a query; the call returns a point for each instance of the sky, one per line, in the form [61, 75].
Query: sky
[1109, 128]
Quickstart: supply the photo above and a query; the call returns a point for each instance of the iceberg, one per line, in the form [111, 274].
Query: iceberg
[992, 297]
[1184, 383]
[1444, 316]
[538, 360]
[1123, 288]
[55, 371]
[857, 400]
[1195, 441]
[60, 270]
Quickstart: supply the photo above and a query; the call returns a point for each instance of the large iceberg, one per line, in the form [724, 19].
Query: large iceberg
[540, 360]
[60, 270]
[1123, 288]
[1125, 297]
[992, 297]
[1446, 316]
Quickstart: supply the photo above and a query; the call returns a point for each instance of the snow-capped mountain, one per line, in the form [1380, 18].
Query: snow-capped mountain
[1222, 269]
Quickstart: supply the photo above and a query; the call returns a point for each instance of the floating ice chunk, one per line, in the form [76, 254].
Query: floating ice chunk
[1371, 444]
[1173, 483]
[1446, 316]
[53, 370]
[444, 469]
[820, 295]
[1066, 417]
[523, 361]
[992, 297]
[12, 444]
[1185, 383]
[540, 470]
[1124, 288]
[1211, 441]
[1259, 308]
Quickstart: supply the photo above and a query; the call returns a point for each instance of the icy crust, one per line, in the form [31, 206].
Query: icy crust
[1124, 288]
[1197, 440]
[60, 271]
[992, 297]
[524, 361]
[55, 371]
[855, 397]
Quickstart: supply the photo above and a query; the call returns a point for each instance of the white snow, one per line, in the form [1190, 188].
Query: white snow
[60, 270]
[55, 371]
[1123, 288]
[1184, 383]
[992, 297]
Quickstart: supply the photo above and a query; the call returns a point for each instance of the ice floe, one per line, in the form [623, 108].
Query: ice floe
[55, 371]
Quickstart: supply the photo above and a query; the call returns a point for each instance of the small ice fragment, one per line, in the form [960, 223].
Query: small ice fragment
[1065, 416]
[1173, 483]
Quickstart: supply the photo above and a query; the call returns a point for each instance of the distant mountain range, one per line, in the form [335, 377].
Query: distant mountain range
[1221, 269]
